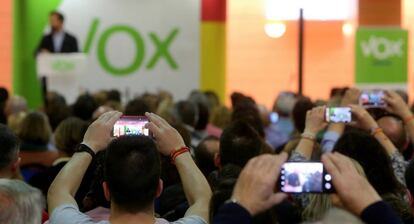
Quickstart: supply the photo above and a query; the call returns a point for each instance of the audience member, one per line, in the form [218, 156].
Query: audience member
[204, 154]
[56, 109]
[14, 105]
[9, 153]
[132, 194]
[84, 107]
[68, 135]
[238, 144]
[136, 107]
[279, 133]
[35, 133]
[20, 203]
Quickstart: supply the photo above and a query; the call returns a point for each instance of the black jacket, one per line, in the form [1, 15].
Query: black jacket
[69, 45]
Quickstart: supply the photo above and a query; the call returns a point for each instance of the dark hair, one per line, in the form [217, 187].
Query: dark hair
[222, 184]
[239, 143]
[186, 112]
[132, 172]
[69, 134]
[59, 15]
[409, 177]
[84, 107]
[246, 110]
[203, 117]
[9, 146]
[114, 95]
[299, 113]
[4, 95]
[373, 158]
[56, 109]
[203, 157]
[136, 107]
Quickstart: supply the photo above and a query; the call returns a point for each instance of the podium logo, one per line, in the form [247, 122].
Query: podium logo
[161, 46]
[382, 48]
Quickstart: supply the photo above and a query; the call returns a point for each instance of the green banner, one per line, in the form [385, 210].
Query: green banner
[381, 56]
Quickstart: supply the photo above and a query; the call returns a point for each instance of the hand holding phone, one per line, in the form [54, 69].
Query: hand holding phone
[131, 125]
[305, 177]
[338, 115]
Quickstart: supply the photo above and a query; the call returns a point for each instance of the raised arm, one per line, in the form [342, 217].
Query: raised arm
[66, 183]
[196, 187]
[315, 122]
[365, 121]
[396, 105]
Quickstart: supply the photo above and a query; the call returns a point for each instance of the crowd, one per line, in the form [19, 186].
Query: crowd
[204, 162]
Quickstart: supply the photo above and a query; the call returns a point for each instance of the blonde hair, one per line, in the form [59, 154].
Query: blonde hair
[14, 121]
[35, 128]
[220, 117]
[320, 204]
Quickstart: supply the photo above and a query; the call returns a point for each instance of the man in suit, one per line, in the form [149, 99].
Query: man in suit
[58, 41]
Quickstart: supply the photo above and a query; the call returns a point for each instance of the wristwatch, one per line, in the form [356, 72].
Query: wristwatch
[85, 148]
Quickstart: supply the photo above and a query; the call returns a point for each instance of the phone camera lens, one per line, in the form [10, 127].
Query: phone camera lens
[328, 186]
[282, 183]
[328, 177]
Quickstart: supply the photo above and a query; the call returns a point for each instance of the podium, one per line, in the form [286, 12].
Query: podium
[61, 73]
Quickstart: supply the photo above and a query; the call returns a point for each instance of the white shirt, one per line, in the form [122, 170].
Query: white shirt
[58, 40]
[70, 214]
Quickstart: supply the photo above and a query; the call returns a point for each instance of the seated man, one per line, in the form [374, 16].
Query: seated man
[9, 153]
[132, 175]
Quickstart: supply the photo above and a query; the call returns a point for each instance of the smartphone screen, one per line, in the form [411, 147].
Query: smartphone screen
[131, 125]
[372, 99]
[338, 115]
[274, 117]
[305, 177]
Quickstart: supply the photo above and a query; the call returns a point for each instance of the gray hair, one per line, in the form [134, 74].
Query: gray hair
[20, 203]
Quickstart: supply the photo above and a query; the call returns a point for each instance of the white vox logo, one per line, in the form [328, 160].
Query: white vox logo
[382, 48]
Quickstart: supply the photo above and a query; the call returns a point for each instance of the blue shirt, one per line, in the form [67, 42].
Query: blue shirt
[58, 41]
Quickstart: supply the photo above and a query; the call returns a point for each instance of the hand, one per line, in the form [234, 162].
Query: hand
[315, 120]
[98, 135]
[396, 105]
[351, 97]
[254, 189]
[168, 139]
[354, 190]
[363, 119]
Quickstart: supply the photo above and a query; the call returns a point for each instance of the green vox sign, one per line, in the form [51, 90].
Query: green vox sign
[381, 56]
[162, 46]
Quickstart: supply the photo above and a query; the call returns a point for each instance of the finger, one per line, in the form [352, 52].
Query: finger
[155, 119]
[104, 118]
[330, 165]
[341, 162]
[113, 118]
[346, 161]
[153, 128]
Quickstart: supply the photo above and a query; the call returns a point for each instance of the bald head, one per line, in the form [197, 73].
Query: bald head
[394, 128]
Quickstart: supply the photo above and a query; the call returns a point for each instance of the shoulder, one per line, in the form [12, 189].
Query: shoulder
[70, 214]
[70, 36]
[193, 219]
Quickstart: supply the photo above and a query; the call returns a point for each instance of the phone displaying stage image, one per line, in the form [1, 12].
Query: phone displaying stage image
[305, 177]
[372, 99]
[131, 125]
[338, 115]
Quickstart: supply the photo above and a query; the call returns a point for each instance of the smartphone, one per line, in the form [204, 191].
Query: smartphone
[305, 177]
[338, 115]
[372, 99]
[131, 125]
[274, 117]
